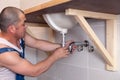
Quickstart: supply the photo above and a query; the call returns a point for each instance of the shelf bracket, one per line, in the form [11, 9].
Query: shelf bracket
[109, 52]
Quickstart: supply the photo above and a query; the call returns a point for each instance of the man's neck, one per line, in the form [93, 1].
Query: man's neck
[10, 38]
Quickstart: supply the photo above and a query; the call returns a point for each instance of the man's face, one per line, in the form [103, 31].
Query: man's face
[21, 27]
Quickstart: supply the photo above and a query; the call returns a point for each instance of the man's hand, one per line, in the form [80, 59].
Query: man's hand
[61, 52]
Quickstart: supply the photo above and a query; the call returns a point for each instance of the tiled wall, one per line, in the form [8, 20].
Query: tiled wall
[83, 65]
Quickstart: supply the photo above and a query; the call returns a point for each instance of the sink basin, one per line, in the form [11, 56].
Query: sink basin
[60, 21]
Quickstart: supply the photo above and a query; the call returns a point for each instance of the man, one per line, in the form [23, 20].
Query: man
[12, 63]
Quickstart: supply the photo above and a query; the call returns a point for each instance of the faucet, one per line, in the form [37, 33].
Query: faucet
[80, 46]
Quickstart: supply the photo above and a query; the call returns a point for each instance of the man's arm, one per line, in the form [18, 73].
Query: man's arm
[40, 44]
[14, 62]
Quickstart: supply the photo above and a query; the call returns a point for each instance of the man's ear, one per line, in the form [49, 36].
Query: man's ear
[11, 29]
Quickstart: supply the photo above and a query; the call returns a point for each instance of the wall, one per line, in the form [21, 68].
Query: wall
[5, 3]
[118, 39]
[31, 3]
[83, 65]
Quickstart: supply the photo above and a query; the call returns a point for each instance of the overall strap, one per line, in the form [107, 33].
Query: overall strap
[22, 44]
[6, 49]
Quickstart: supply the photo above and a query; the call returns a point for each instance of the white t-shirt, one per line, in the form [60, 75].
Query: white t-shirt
[5, 73]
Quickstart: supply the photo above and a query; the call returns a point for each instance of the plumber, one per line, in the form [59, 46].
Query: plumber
[13, 38]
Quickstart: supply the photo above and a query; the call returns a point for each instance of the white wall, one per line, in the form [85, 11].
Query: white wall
[5, 3]
[25, 4]
[118, 40]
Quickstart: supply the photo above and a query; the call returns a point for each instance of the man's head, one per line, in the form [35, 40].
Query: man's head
[9, 16]
[12, 21]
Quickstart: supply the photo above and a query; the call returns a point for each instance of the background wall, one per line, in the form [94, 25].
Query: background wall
[5, 3]
[31, 3]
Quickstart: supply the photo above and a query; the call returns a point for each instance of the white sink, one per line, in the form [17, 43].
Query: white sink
[60, 21]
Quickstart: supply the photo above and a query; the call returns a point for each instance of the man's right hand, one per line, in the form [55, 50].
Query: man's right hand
[61, 52]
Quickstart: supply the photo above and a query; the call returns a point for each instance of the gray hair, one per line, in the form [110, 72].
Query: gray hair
[9, 16]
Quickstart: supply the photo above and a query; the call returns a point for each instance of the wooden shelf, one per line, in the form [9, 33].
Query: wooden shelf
[34, 14]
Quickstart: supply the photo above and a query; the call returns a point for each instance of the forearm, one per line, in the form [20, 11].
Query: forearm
[24, 67]
[40, 44]
[46, 46]
[28, 69]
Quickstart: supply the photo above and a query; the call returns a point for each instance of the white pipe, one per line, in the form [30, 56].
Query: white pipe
[63, 39]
